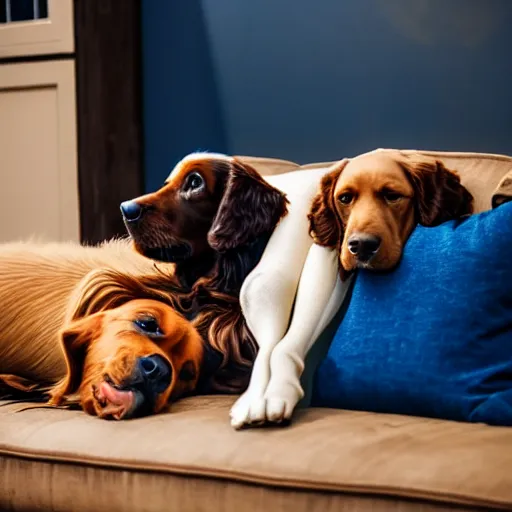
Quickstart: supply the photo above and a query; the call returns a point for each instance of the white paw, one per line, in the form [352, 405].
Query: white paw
[275, 406]
[281, 399]
[247, 410]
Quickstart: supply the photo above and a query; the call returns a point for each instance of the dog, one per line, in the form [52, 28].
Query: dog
[37, 285]
[77, 294]
[212, 218]
[129, 361]
[368, 206]
[361, 217]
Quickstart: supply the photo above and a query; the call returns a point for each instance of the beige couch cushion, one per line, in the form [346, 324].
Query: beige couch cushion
[269, 166]
[327, 452]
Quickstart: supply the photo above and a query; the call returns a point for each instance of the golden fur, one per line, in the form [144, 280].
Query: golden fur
[101, 353]
[37, 283]
[383, 195]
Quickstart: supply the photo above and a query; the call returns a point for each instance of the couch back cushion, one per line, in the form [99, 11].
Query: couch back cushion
[434, 336]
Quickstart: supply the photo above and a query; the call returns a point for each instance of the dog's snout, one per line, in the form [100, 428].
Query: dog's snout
[363, 246]
[156, 372]
[131, 210]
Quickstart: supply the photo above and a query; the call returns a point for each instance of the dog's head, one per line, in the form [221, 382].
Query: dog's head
[129, 361]
[368, 206]
[208, 202]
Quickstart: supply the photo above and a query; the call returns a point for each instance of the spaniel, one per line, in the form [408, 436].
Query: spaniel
[361, 217]
[129, 361]
[247, 237]
[212, 217]
[368, 206]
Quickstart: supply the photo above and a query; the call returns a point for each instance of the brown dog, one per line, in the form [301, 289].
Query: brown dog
[213, 218]
[129, 361]
[38, 282]
[369, 205]
[206, 218]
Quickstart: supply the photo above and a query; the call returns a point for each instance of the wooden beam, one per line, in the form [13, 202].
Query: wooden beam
[109, 112]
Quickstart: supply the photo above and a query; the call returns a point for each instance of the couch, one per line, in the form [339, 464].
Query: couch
[190, 459]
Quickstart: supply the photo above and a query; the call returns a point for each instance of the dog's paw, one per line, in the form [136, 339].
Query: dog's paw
[275, 407]
[247, 410]
[281, 398]
[258, 412]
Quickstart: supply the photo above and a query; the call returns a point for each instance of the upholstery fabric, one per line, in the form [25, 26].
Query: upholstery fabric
[434, 336]
[191, 459]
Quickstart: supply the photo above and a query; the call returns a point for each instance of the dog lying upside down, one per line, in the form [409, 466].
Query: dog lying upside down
[129, 361]
[37, 286]
[122, 362]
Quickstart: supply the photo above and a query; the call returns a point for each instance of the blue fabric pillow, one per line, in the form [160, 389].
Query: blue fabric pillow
[434, 336]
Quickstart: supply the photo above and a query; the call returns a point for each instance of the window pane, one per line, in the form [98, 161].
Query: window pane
[22, 10]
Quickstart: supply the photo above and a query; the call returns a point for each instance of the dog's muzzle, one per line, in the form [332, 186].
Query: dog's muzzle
[151, 376]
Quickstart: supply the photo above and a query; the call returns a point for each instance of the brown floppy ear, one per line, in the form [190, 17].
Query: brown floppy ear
[74, 341]
[324, 224]
[439, 195]
[250, 207]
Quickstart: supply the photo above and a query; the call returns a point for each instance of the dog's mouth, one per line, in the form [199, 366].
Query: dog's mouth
[116, 403]
[170, 254]
[123, 402]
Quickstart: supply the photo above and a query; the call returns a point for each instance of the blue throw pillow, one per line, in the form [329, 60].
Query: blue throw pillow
[434, 336]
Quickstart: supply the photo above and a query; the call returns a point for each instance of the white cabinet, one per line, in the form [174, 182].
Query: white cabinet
[38, 146]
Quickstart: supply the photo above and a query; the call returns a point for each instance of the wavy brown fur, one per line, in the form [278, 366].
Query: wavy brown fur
[217, 316]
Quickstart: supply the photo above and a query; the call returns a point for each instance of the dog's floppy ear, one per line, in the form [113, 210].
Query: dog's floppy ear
[250, 207]
[324, 225]
[74, 341]
[439, 194]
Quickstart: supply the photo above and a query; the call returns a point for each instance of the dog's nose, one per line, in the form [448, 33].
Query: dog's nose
[363, 246]
[156, 372]
[131, 210]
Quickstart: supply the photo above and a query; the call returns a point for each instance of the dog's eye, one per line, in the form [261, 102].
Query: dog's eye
[390, 196]
[194, 182]
[346, 198]
[148, 325]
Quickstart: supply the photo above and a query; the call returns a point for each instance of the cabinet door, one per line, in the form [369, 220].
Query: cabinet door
[38, 152]
[36, 27]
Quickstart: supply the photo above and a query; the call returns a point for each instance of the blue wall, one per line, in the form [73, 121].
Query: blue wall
[324, 79]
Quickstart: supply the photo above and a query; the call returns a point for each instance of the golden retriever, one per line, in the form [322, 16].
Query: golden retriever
[129, 361]
[368, 206]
